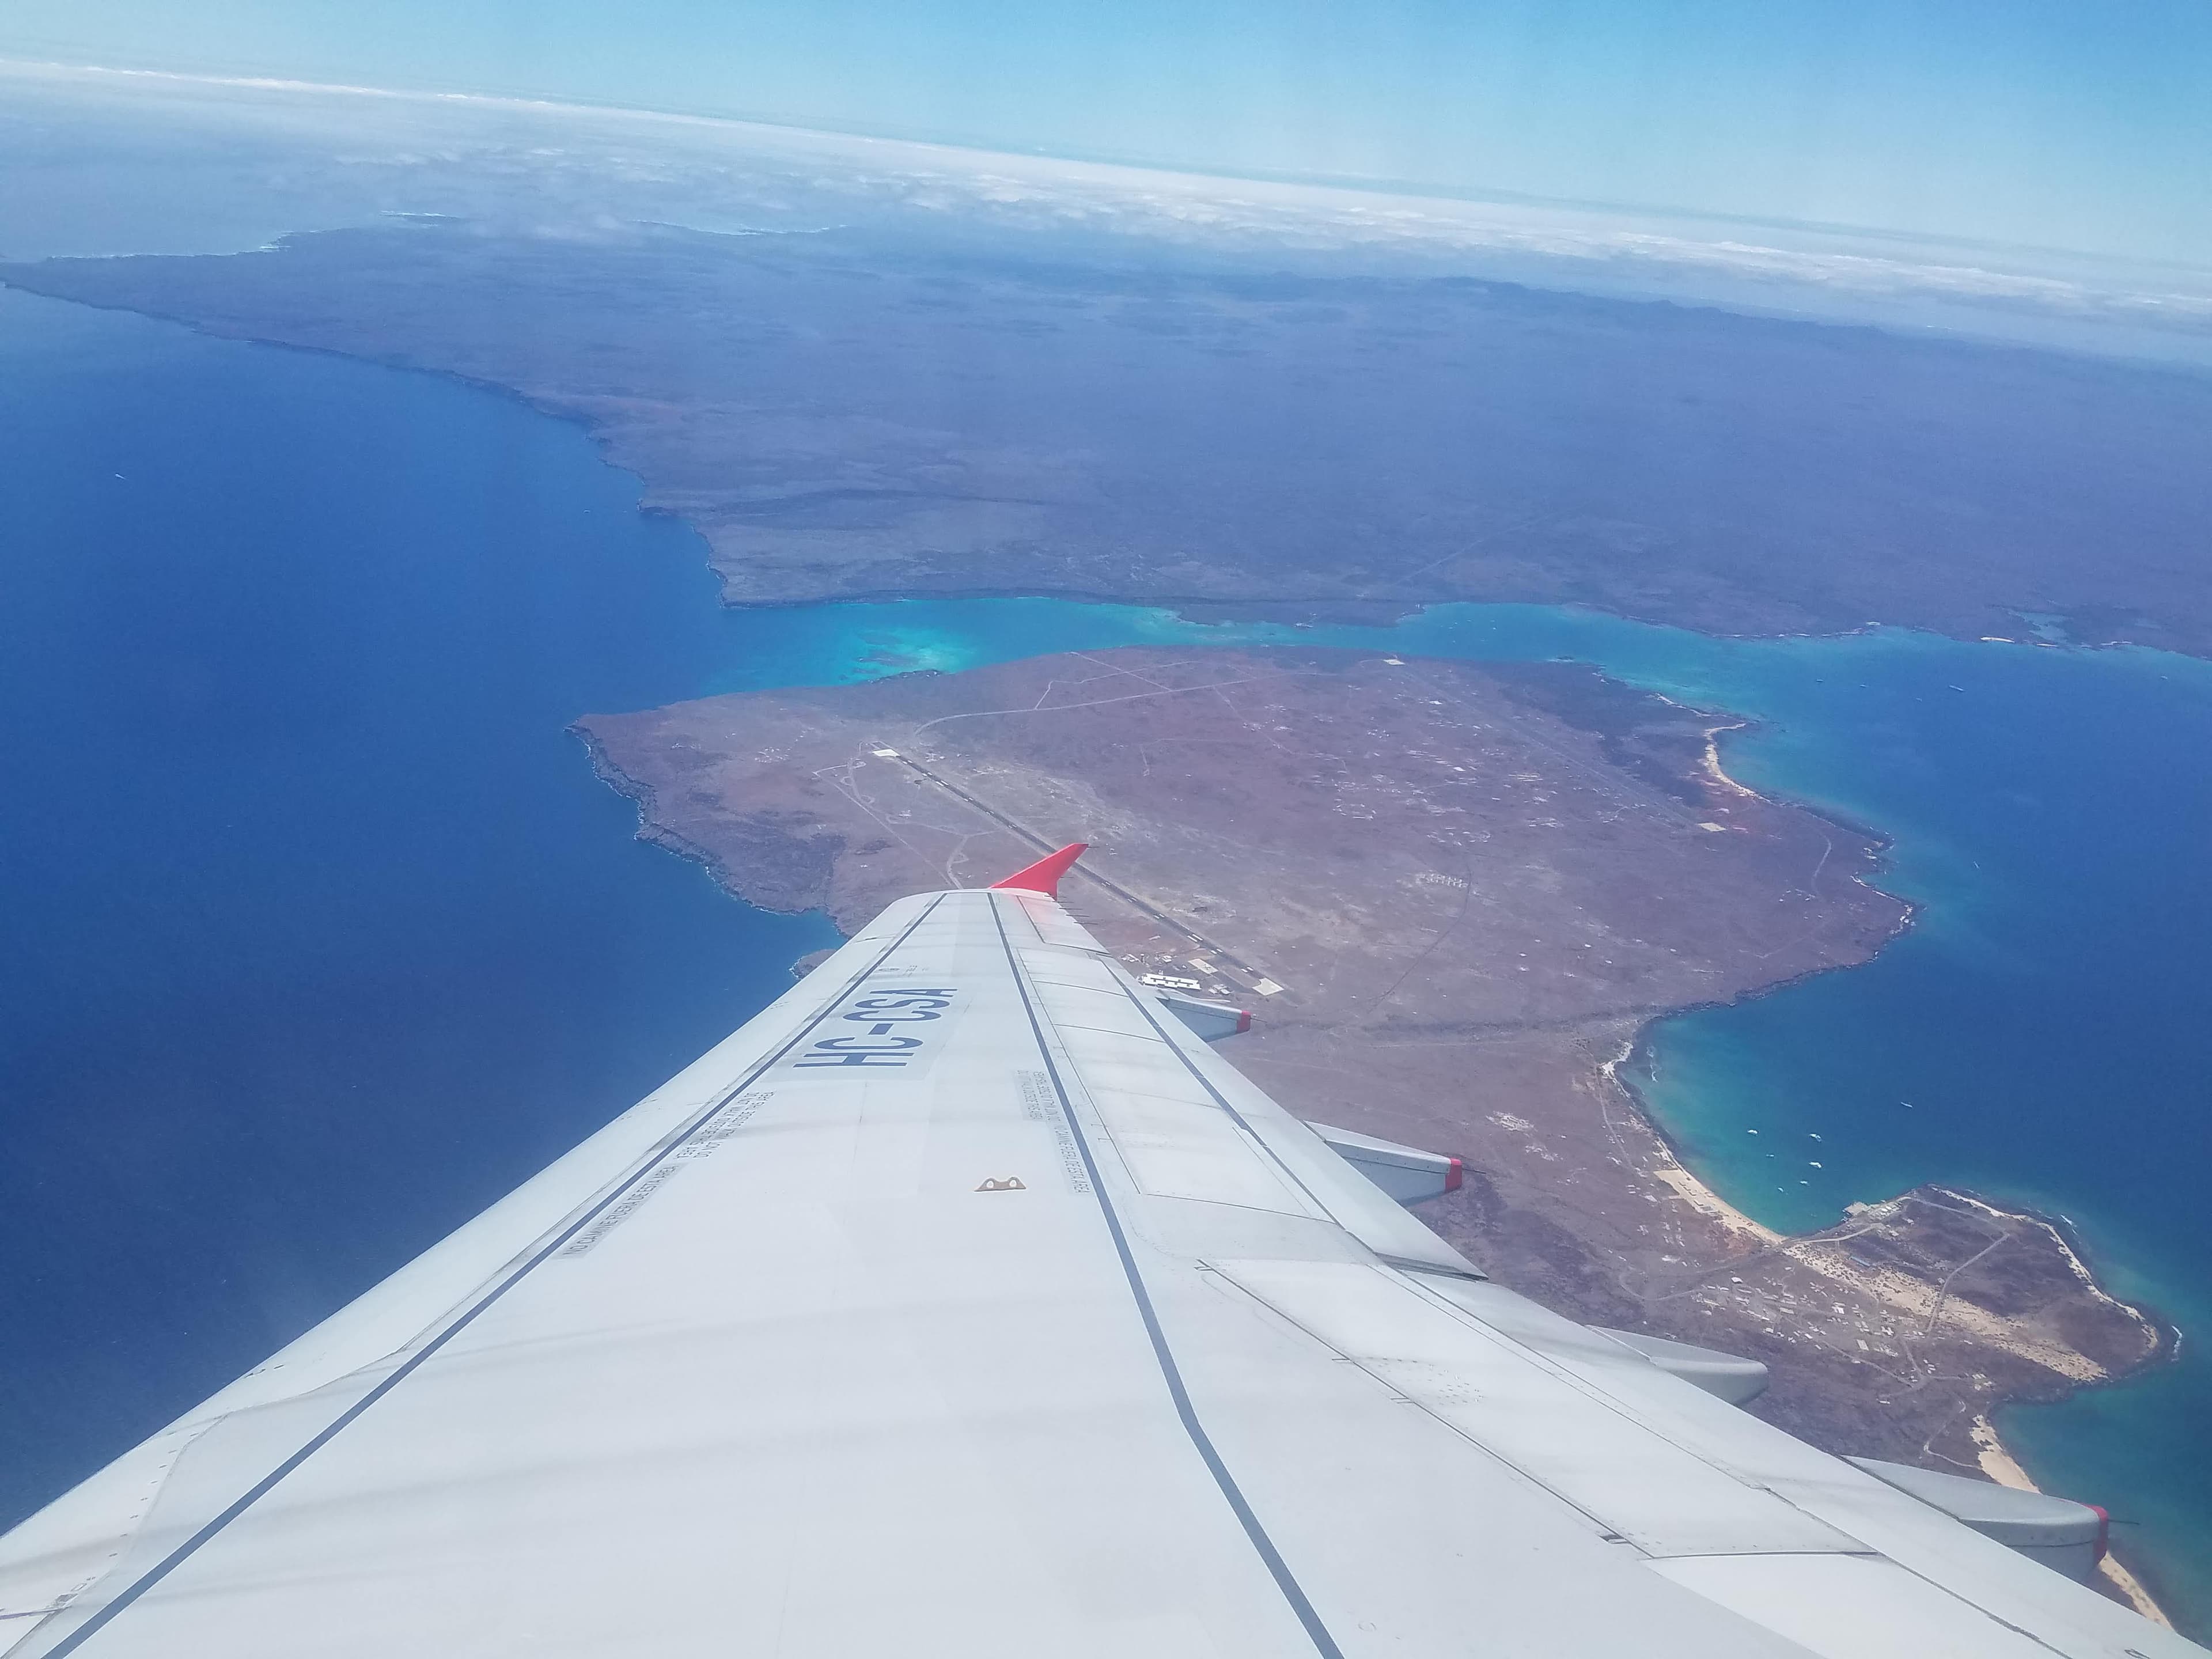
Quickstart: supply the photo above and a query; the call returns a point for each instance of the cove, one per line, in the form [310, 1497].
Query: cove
[322, 935]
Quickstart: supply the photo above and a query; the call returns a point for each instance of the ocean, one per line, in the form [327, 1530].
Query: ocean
[322, 934]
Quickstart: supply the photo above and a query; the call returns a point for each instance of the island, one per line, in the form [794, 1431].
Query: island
[847, 416]
[1454, 896]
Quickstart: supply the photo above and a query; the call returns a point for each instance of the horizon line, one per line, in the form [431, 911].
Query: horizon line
[971, 146]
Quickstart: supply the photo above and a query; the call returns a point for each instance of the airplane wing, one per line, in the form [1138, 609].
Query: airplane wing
[966, 1303]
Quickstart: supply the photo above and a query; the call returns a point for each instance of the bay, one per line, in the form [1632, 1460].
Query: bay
[319, 933]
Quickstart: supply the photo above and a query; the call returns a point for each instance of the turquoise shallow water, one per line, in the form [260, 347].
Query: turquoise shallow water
[323, 934]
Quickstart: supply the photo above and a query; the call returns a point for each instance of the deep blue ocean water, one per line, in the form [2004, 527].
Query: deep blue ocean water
[320, 934]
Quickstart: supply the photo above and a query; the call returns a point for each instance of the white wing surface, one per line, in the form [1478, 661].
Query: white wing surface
[966, 1304]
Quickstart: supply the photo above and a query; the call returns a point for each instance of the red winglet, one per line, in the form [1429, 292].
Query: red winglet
[1043, 877]
[1455, 1176]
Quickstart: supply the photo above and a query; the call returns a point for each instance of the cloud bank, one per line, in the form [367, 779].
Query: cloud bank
[82, 145]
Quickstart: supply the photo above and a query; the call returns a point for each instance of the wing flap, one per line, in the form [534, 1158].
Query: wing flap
[1232, 1145]
[1841, 1606]
[1405, 1173]
[1572, 1441]
[1175, 1141]
[1976, 1569]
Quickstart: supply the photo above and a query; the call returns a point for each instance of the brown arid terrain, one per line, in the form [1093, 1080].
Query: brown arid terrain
[843, 418]
[1454, 896]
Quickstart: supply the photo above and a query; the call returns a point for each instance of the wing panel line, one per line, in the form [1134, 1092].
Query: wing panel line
[267, 1483]
[1220, 1099]
[1285, 1581]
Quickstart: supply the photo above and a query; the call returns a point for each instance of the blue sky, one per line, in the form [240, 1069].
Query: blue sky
[2073, 125]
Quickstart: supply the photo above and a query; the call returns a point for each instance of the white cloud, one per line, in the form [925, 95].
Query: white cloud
[556, 165]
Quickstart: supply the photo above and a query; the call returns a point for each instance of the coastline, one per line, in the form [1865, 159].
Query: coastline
[996, 507]
[1995, 1459]
[651, 828]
